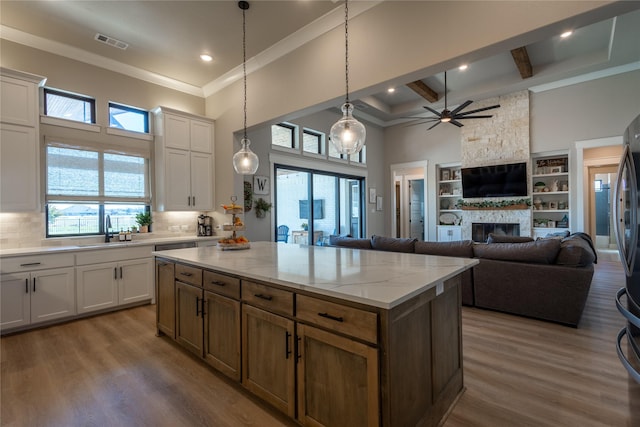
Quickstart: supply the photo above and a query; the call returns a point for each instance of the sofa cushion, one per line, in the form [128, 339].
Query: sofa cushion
[502, 238]
[459, 248]
[577, 251]
[350, 242]
[536, 252]
[392, 244]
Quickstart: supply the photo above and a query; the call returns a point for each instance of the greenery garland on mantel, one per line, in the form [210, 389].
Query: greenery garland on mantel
[512, 204]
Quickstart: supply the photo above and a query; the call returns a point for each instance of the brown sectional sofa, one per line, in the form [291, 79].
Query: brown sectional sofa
[546, 279]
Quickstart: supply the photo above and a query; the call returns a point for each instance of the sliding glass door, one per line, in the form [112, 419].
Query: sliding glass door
[313, 205]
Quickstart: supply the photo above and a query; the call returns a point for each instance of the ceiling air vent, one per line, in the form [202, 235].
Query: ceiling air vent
[111, 41]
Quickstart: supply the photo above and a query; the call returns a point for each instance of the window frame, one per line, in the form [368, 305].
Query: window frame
[78, 97]
[131, 109]
[320, 142]
[293, 131]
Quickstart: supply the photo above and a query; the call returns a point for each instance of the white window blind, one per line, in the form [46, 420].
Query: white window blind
[90, 175]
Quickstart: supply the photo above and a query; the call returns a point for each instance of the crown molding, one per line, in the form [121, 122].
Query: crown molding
[315, 29]
[81, 55]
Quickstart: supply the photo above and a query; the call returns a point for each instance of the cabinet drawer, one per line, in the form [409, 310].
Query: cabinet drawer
[271, 299]
[188, 274]
[112, 254]
[337, 317]
[36, 262]
[221, 284]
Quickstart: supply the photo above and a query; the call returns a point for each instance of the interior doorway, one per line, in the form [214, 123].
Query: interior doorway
[602, 179]
[408, 187]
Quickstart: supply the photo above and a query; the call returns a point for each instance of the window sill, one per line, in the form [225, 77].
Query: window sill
[130, 134]
[55, 121]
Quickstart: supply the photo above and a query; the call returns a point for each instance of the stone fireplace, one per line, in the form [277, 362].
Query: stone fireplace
[502, 139]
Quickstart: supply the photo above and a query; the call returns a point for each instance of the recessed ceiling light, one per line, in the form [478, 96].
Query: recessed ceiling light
[566, 34]
[206, 58]
[391, 90]
[463, 67]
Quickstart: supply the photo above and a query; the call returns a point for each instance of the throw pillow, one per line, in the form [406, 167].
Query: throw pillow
[502, 238]
[393, 244]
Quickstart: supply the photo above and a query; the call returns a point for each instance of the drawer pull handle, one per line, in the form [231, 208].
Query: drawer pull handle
[328, 316]
[266, 297]
[30, 264]
[186, 274]
[218, 283]
[26, 286]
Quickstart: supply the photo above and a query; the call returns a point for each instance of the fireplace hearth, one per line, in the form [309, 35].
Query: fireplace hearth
[480, 230]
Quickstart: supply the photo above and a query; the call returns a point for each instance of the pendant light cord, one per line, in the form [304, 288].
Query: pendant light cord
[346, 48]
[244, 67]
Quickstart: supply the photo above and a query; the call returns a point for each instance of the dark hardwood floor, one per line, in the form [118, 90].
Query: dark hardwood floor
[111, 370]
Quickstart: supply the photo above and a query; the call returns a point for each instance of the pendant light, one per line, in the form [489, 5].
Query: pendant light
[347, 134]
[245, 161]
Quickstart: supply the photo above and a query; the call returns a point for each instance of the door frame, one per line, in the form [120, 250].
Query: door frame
[398, 172]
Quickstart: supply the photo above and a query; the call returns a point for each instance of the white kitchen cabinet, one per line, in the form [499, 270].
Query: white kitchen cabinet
[127, 278]
[449, 233]
[19, 133]
[184, 161]
[18, 169]
[39, 296]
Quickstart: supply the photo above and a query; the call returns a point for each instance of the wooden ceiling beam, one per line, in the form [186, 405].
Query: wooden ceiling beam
[521, 58]
[423, 90]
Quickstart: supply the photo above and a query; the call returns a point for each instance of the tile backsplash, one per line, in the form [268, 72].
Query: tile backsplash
[24, 230]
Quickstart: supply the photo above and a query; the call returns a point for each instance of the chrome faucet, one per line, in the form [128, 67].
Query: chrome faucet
[107, 226]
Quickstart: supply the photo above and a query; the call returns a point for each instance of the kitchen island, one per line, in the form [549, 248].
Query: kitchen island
[330, 336]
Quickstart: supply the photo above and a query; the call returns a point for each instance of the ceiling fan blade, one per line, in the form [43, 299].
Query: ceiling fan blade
[471, 117]
[479, 109]
[436, 124]
[437, 113]
[461, 107]
[454, 122]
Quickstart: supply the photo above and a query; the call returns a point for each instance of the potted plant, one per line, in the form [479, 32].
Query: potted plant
[305, 226]
[262, 207]
[144, 221]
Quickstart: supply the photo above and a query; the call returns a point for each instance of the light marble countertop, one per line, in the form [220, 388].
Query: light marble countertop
[376, 278]
[77, 245]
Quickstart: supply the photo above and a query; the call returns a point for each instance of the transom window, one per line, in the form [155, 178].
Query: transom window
[69, 106]
[312, 142]
[283, 135]
[128, 118]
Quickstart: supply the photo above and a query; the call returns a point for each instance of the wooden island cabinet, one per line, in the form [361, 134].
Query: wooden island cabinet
[329, 336]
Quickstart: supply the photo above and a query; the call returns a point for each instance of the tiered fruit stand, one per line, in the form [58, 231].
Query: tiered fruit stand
[234, 242]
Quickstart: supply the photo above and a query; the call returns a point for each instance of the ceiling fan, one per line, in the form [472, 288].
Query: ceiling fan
[452, 117]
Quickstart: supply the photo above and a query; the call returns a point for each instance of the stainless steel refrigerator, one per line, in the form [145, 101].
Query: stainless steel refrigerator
[626, 211]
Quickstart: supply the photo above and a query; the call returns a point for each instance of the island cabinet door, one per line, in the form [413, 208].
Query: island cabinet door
[222, 334]
[165, 298]
[189, 324]
[268, 363]
[337, 380]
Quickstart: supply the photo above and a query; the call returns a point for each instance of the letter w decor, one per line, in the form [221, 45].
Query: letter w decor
[260, 184]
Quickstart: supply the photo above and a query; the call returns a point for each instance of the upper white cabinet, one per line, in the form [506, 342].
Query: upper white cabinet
[184, 161]
[19, 159]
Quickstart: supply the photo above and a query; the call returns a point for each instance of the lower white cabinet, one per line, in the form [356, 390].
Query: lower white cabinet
[106, 285]
[35, 297]
[449, 233]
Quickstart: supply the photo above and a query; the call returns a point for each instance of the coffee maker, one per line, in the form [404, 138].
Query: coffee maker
[205, 225]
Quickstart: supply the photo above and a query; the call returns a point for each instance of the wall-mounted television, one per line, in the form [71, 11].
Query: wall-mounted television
[507, 180]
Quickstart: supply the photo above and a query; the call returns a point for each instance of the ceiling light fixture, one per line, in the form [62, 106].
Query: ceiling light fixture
[347, 134]
[245, 161]
[566, 34]
[391, 90]
[206, 58]
[463, 67]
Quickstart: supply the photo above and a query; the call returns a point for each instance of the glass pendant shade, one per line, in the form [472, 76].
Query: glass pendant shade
[348, 134]
[245, 161]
